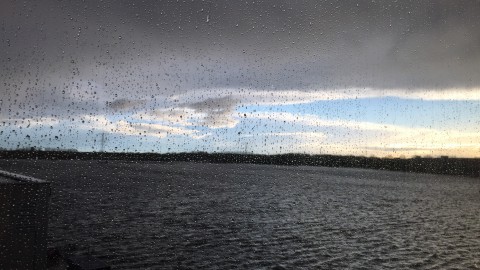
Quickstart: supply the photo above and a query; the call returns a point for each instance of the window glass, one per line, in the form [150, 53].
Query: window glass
[243, 134]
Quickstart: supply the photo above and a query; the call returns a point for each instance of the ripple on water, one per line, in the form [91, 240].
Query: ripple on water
[236, 216]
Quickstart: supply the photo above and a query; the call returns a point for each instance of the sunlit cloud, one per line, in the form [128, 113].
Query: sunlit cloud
[172, 116]
[365, 138]
[102, 124]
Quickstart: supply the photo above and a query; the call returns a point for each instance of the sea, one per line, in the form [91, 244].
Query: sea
[181, 215]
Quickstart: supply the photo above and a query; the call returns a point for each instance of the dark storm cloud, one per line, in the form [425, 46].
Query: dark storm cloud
[125, 104]
[74, 56]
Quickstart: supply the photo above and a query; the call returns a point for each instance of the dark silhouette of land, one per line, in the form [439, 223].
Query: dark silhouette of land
[443, 165]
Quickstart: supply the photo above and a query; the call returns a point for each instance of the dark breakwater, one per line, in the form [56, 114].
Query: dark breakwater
[443, 165]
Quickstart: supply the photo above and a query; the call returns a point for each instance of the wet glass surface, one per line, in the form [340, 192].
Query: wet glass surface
[376, 84]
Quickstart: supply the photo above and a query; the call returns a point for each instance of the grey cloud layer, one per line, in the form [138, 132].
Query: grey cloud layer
[72, 57]
[218, 111]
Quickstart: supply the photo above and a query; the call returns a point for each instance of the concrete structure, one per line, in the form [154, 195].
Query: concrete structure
[23, 221]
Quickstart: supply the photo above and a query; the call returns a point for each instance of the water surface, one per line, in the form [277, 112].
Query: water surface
[140, 215]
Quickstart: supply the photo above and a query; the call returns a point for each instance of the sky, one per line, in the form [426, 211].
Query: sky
[371, 78]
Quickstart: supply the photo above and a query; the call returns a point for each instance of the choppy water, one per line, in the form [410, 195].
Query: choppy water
[225, 216]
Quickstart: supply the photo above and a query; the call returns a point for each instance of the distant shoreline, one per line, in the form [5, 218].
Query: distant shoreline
[443, 165]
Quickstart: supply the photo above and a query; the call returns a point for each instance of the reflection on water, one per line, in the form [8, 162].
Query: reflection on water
[222, 216]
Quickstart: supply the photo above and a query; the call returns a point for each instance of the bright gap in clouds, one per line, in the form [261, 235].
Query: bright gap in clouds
[381, 126]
